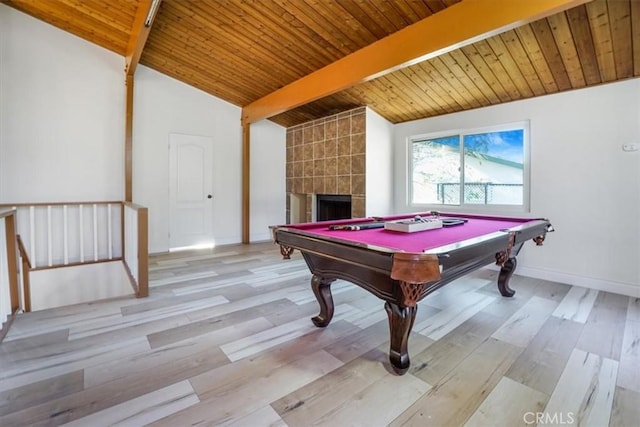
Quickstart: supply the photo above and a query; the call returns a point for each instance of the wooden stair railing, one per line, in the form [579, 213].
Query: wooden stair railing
[9, 243]
[26, 268]
[68, 234]
[135, 247]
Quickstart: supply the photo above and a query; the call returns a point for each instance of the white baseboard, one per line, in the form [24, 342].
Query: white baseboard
[260, 237]
[629, 289]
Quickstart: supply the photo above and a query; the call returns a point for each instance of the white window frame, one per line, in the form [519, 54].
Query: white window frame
[525, 207]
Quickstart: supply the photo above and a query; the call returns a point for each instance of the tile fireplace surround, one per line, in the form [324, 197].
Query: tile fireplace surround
[327, 156]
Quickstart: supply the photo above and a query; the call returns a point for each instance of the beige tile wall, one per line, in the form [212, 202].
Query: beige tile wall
[327, 156]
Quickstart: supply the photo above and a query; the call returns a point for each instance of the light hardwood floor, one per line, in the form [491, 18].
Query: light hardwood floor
[225, 339]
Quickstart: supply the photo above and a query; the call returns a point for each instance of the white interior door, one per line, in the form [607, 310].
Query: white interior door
[190, 196]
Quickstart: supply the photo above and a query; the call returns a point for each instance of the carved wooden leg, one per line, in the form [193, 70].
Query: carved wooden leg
[322, 290]
[400, 324]
[285, 251]
[505, 275]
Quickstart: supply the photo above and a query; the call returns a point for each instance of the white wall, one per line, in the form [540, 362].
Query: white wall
[61, 115]
[59, 287]
[379, 166]
[163, 105]
[268, 185]
[580, 179]
[62, 108]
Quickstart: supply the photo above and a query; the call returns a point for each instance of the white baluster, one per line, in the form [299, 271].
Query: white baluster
[32, 234]
[95, 232]
[81, 234]
[109, 237]
[49, 237]
[65, 232]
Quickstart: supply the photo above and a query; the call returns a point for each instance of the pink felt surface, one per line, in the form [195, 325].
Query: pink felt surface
[417, 241]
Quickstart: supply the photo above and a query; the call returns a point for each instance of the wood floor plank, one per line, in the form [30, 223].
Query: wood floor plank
[118, 368]
[585, 389]
[463, 388]
[602, 333]
[238, 291]
[629, 368]
[577, 304]
[356, 344]
[181, 278]
[520, 328]
[240, 372]
[372, 406]
[446, 354]
[113, 337]
[263, 417]
[439, 325]
[368, 317]
[29, 347]
[91, 400]
[38, 323]
[449, 295]
[111, 323]
[633, 309]
[626, 410]
[552, 290]
[223, 404]
[35, 393]
[258, 299]
[303, 296]
[314, 401]
[143, 410]
[541, 363]
[58, 364]
[507, 405]
[261, 341]
[243, 278]
[193, 329]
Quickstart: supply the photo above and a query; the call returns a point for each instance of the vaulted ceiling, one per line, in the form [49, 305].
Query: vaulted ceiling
[243, 50]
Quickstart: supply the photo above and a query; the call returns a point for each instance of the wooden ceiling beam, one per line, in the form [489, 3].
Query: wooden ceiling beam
[145, 15]
[456, 26]
[142, 22]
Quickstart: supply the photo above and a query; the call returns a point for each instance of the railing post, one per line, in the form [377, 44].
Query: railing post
[143, 253]
[26, 286]
[12, 260]
[26, 268]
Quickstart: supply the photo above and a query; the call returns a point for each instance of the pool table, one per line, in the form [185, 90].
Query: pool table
[402, 268]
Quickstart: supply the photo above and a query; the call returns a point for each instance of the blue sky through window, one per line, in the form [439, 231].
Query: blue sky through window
[506, 145]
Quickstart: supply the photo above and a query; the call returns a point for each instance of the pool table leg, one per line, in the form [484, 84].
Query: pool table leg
[505, 275]
[322, 290]
[400, 324]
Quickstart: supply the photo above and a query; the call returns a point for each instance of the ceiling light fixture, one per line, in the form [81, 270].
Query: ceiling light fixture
[153, 9]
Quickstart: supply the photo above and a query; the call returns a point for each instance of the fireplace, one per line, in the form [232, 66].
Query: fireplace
[333, 206]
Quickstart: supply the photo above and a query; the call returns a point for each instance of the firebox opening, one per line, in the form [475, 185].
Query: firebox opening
[333, 206]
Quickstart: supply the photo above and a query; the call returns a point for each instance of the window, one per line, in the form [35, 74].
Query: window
[473, 169]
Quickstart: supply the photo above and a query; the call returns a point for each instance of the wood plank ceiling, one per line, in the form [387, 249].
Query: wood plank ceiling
[242, 50]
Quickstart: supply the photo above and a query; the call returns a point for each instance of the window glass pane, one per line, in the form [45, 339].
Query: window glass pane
[494, 168]
[436, 170]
